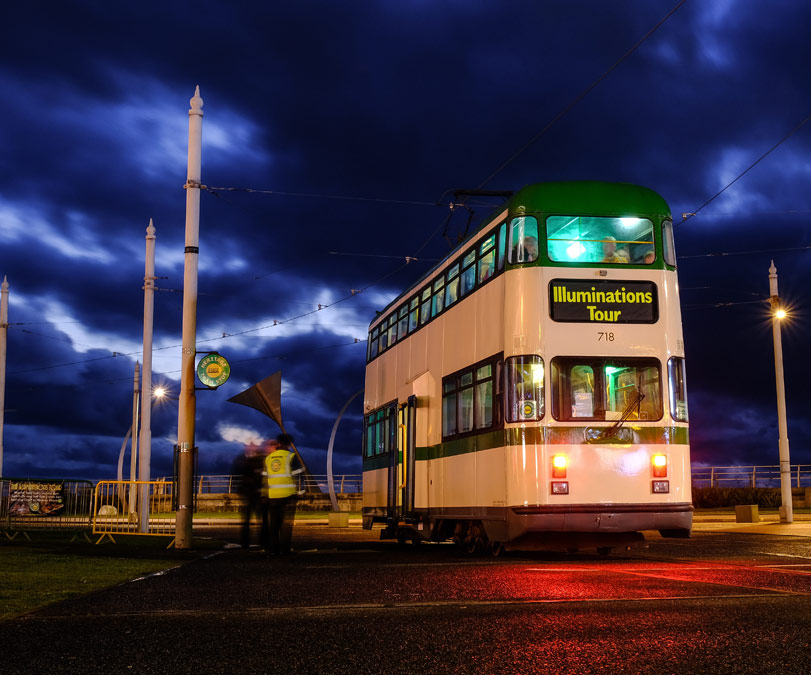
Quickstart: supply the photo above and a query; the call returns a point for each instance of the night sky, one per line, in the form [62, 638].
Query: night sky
[358, 117]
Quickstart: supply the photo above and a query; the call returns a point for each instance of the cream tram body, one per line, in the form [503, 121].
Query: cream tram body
[531, 411]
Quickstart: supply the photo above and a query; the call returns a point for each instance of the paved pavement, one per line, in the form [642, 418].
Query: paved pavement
[723, 602]
[703, 521]
[769, 524]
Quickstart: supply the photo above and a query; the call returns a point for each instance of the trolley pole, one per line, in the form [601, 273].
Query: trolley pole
[145, 447]
[3, 343]
[187, 402]
[787, 509]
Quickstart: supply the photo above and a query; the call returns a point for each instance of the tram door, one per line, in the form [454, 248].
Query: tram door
[401, 465]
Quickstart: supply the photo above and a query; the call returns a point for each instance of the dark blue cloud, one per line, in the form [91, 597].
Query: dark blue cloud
[398, 101]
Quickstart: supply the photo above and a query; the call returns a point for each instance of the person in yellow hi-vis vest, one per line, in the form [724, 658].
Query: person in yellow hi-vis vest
[281, 490]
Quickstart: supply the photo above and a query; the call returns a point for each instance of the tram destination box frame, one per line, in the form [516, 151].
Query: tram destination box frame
[603, 301]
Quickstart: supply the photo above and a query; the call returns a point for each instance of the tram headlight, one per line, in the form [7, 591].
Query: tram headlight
[659, 463]
[559, 464]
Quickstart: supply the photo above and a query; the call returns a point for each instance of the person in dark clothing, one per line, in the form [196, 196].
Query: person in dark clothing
[248, 467]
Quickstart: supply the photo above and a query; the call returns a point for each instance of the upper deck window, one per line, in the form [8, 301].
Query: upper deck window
[523, 240]
[467, 273]
[487, 258]
[452, 288]
[598, 239]
[669, 248]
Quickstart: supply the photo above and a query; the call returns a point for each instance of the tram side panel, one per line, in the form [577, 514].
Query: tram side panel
[473, 471]
[525, 456]
[375, 473]
[423, 384]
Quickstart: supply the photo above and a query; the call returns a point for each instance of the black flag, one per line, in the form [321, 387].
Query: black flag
[266, 397]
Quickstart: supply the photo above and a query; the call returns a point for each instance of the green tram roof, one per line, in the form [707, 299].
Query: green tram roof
[576, 198]
[588, 198]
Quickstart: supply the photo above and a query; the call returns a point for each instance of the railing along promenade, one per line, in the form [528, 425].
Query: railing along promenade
[227, 484]
[764, 476]
[767, 476]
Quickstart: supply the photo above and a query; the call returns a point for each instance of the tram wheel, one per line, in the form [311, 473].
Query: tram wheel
[496, 548]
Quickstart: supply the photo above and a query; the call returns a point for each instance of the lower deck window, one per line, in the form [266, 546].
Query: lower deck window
[677, 388]
[380, 431]
[470, 399]
[586, 388]
[524, 388]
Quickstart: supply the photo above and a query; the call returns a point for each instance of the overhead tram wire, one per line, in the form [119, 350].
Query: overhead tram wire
[215, 190]
[320, 307]
[718, 305]
[354, 293]
[280, 322]
[738, 214]
[688, 215]
[724, 254]
[582, 95]
[408, 259]
[128, 378]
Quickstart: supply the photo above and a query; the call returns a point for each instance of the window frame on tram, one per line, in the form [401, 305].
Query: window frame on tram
[524, 390]
[677, 389]
[564, 401]
[382, 423]
[473, 379]
[470, 271]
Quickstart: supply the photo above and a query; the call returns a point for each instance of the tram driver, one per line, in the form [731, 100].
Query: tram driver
[526, 251]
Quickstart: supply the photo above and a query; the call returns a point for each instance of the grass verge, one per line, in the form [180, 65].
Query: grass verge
[51, 568]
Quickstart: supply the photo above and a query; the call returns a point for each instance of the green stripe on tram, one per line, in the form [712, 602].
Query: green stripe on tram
[512, 436]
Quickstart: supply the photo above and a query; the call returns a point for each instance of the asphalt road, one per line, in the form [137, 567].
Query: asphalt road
[722, 602]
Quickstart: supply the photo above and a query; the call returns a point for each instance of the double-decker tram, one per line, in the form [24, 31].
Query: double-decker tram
[529, 390]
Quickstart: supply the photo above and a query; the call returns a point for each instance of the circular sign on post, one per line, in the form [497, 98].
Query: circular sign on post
[213, 370]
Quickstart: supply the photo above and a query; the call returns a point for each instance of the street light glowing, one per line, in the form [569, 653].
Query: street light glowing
[780, 314]
[159, 392]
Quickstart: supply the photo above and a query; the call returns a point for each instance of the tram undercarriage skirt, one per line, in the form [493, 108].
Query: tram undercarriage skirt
[599, 518]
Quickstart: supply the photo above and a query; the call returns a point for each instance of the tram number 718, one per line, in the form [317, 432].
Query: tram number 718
[605, 337]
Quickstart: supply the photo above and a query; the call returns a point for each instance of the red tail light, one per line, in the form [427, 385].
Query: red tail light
[659, 463]
[559, 464]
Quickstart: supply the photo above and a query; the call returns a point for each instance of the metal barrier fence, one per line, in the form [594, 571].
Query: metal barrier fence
[227, 484]
[28, 504]
[116, 507]
[749, 476]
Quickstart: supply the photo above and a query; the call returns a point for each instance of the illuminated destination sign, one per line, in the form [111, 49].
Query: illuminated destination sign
[603, 301]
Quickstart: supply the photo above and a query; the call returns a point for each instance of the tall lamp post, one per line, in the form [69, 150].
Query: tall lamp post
[3, 339]
[145, 447]
[188, 405]
[778, 314]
